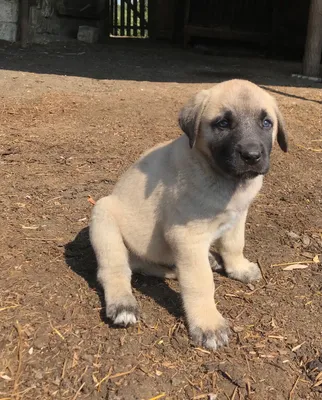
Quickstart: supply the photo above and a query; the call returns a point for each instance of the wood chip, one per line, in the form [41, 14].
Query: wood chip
[290, 397]
[159, 396]
[234, 393]
[31, 227]
[78, 391]
[292, 263]
[202, 350]
[123, 373]
[295, 266]
[319, 376]
[298, 346]
[6, 377]
[91, 200]
[106, 377]
[202, 396]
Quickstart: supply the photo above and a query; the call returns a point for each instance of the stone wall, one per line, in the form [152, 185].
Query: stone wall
[9, 11]
[55, 20]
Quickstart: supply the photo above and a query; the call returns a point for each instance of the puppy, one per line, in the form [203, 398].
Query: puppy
[183, 196]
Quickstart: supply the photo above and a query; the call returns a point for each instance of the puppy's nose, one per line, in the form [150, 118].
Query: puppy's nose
[251, 154]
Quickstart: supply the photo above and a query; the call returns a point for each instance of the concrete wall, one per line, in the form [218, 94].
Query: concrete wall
[9, 11]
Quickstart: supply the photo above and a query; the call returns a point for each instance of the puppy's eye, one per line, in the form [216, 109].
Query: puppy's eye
[267, 123]
[223, 124]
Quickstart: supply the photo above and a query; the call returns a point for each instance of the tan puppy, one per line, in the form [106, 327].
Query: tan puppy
[181, 197]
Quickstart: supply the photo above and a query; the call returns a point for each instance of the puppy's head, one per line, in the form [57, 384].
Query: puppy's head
[234, 125]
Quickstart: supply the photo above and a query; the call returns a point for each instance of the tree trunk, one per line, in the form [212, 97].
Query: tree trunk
[313, 46]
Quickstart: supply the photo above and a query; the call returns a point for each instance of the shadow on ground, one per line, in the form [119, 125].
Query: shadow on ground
[142, 60]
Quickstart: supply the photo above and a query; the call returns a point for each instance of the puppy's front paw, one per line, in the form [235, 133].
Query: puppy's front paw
[247, 272]
[124, 313]
[211, 338]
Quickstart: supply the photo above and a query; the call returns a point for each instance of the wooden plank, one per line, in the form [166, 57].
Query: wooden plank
[128, 19]
[152, 18]
[186, 36]
[114, 13]
[104, 22]
[142, 9]
[139, 14]
[135, 19]
[24, 22]
[135, 11]
[313, 46]
[122, 18]
[115, 18]
[110, 11]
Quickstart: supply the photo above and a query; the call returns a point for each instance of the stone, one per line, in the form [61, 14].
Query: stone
[9, 10]
[39, 374]
[8, 31]
[88, 34]
[306, 240]
[293, 235]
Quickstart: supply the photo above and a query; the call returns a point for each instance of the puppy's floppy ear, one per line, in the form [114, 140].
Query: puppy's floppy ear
[190, 115]
[281, 132]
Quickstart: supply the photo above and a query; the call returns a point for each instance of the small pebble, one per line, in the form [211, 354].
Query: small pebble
[306, 240]
[38, 375]
[293, 235]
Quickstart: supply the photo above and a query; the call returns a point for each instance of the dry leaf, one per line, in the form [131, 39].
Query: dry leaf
[295, 266]
[316, 259]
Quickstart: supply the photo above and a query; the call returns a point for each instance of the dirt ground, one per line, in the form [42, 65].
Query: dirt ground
[72, 119]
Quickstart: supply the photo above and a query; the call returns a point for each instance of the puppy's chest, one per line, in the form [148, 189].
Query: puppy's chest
[222, 223]
[227, 219]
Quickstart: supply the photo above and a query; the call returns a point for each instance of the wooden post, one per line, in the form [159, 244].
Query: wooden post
[105, 22]
[115, 16]
[142, 12]
[135, 18]
[313, 46]
[122, 19]
[128, 19]
[153, 8]
[24, 22]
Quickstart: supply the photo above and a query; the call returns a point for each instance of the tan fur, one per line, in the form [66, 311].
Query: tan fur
[169, 208]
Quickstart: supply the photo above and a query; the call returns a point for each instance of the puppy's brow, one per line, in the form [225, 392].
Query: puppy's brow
[263, 114]
[225, 114]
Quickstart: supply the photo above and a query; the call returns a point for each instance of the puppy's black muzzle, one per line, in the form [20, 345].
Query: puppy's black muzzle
[250, 152]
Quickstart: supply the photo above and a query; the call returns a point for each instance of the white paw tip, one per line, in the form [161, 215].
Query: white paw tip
[125, 318]
[211, 344]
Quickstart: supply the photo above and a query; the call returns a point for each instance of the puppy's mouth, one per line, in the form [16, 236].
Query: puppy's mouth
[243, 171]
[250, 174]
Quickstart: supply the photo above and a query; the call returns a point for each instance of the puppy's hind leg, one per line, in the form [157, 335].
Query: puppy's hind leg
[112, 256]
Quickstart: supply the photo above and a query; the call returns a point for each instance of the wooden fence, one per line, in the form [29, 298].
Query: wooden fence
[129, 18]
